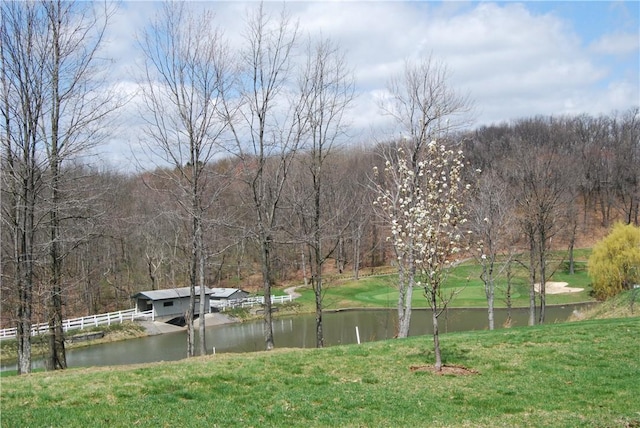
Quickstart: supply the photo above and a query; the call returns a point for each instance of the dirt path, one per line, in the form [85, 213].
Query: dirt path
[292, 291]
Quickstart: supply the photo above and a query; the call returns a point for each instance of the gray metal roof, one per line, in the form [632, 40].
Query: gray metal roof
[223, 292]
[170, 293]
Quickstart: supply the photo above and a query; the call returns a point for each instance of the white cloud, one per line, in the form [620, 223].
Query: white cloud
[617, 44]
[512, 62]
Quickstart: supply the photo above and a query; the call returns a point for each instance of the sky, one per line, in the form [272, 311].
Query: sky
[513, 59]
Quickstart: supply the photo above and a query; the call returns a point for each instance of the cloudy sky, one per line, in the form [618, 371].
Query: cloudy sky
[514, 59]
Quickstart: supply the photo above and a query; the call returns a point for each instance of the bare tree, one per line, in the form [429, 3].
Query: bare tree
[267, 129]
[24, 55]
[355, 164]
[626, 133]
[327, 89]
[77, 105]
[491, 219]
[425, 108]
[186, 71]
[538, 179]
[49, 71]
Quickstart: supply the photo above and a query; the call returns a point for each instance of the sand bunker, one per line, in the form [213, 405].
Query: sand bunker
[557, 288]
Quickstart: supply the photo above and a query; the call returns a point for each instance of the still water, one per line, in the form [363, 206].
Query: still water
[293, 332]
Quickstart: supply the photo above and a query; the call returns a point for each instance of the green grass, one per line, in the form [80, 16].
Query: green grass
[380, 290]
[561, 375]
[625, 304]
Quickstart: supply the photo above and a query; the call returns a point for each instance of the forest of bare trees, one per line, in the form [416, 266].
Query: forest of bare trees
[264, 185]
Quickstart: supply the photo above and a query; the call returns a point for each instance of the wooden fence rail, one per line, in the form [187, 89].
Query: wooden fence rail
[83, 322]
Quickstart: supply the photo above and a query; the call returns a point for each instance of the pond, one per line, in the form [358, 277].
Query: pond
[293, 332]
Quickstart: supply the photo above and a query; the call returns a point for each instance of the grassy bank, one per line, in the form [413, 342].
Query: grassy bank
[625, 304]
[380, 291]
[562, 375]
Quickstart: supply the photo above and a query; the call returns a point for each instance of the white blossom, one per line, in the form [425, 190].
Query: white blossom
[424, 206]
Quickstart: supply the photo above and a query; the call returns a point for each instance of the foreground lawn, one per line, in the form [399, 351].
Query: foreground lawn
[561, 375]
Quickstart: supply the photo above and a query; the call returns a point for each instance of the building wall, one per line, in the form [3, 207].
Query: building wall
[142, 305]
[176, 307]
[235, 296]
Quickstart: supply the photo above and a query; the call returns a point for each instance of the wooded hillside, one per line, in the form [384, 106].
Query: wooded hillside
[582, 172]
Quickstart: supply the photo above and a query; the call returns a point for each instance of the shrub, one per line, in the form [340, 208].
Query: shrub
[614, 265]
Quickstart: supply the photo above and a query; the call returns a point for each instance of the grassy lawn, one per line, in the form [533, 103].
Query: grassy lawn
[380, 290]
[561, 375]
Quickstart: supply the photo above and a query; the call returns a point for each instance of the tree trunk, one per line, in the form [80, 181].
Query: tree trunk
[405, 322]
[490, 303]
[374, 247]
[406, 280]
[266, 288]
[23, 333]
[57, 355]
[316, 281]
[188, 318]
[24, 273]
[356, 252]
[340, 258]
[304, 267]
[436, 335]
[201, 283]
[489, 287]
[318, 300]
[193, 278]
[572, 243]
[404, 310]
[25, 303]
[532, 281]
[24, 256]
[542, 254]
[150, 271]
[508, 321]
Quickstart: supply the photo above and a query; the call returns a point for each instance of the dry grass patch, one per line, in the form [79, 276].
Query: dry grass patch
[453, 370]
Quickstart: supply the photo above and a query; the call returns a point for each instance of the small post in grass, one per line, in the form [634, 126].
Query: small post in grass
[357, 335]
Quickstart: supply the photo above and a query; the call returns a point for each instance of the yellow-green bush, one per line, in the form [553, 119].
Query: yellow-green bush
[614, 264]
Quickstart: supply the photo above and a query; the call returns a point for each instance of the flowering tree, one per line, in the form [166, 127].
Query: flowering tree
[424, 107]
[425, 209]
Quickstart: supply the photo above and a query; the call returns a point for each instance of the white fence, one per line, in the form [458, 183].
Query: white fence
[83, 322]
[248, 302]
[132, 314]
